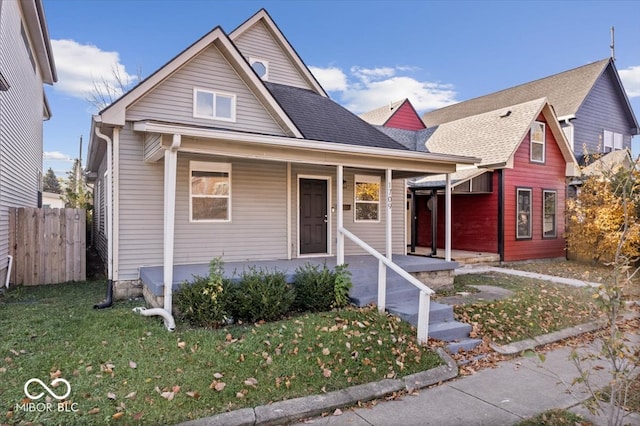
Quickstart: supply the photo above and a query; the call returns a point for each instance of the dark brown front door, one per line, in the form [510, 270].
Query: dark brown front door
[313, 216]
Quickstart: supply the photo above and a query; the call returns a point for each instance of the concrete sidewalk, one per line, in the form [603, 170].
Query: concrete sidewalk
[517, 389]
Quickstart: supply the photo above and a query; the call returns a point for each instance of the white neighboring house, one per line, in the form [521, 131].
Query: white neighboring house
[26, 63]
[52, 200]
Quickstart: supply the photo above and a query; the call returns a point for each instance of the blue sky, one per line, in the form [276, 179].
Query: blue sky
[365, 53]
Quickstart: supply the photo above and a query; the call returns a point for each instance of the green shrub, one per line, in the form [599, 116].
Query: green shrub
[321, 289]
[314, 288]
[341, 286]
[205, 301]
[262, 295]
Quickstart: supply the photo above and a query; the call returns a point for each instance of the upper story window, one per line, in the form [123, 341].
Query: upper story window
[367, 198]
[210, 191]
[537, 142]
[214, 105]
[261, 67]
[612, 141]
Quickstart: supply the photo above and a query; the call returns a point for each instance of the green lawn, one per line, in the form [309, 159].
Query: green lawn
[126, 368]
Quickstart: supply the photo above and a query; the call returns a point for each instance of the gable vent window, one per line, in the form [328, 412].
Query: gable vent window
[612, 141]
[214, 105]
[261, 67]
[537, 142]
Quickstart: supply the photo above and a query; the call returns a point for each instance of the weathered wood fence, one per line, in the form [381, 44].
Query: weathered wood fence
[48, 245]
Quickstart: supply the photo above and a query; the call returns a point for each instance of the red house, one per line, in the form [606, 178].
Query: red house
[513, 202]
[397, 115]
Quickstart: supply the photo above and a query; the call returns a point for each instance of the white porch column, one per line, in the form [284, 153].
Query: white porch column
[170, 170]
[339, 220]
[447, 226]
[389, 221]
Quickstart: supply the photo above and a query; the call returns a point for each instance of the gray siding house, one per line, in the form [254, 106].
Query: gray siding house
[590, 102]
[233, 149]
[26, 63]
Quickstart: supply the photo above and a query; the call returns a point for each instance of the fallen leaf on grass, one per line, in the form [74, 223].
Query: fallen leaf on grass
[111, 395]
[326, 373]
[168, 395]
[131, 395]
[133, 364]
[218, 375]
[116, 416]
[218, 386]
[138, 416]
[181, 344]
[193, 394]
[94, 410]
[251, 382]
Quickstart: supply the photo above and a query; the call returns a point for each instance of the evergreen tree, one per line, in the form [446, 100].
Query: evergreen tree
[77, 194]
[50, 182]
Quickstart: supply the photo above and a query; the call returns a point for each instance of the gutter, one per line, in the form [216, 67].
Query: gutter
[109, 298]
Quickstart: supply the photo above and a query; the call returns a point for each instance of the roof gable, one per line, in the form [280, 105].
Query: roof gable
[115, 114]
[566, 91]
[259, 36]
[400, 115]
[495, 136]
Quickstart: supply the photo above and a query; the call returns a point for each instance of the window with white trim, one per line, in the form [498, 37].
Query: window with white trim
[612, 141]
[214, 105]
[209, 191]
[537, 142]
[367, 198]
[261, 67]
[549, 214]
[523, 213]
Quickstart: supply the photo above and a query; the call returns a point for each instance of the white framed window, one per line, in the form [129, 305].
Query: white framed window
[209, 191]
[549, 203]
[612, 141]
[214, 105]
[367, 198]
[537, 142]
[523, 213]
[261, 67]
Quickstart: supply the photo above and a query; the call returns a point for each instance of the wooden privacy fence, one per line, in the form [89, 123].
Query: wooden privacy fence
[48, 245]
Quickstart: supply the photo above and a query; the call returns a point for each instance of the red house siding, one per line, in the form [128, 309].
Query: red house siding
[406, 118]
[537, 177]
[474, 221]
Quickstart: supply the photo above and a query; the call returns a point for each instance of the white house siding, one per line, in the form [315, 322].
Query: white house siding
[257, 42]
[172, 100]
[372, 233]
[603, 109]
[257, 229]
[100, 213]
[21, 112]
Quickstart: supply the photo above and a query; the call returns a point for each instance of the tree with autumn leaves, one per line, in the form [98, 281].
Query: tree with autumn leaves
[604, 226]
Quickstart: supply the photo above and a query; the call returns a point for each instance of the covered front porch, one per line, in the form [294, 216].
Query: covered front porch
[435, 273]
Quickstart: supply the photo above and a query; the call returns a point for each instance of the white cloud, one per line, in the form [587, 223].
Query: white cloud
[365, 89]
[631, 80]
[83, 66]
[56, 156]
[331, 79]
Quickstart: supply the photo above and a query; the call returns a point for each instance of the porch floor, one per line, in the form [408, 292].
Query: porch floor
[363, 268]
[463, 257]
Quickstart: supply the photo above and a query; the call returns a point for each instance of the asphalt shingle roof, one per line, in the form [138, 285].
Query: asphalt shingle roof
[565, 92]
[492, 136]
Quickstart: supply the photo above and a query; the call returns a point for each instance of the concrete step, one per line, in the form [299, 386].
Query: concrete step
[408, 311]
[449, 331]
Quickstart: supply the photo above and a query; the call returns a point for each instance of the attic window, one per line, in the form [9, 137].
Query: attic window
[214, 105]
[261, 67]
[612, 141]
[537, 142]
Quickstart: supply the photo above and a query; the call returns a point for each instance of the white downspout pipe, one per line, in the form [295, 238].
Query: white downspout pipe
[109, 197]
[6, 284]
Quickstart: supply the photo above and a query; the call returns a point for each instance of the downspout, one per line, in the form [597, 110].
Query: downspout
[414, 224]
[6, 284]
[170, 167]
[109, 299]
[434, 222]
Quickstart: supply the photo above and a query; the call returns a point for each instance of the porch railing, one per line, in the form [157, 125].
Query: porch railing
[425, 292]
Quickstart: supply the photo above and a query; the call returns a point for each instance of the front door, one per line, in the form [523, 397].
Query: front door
[313, 216]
